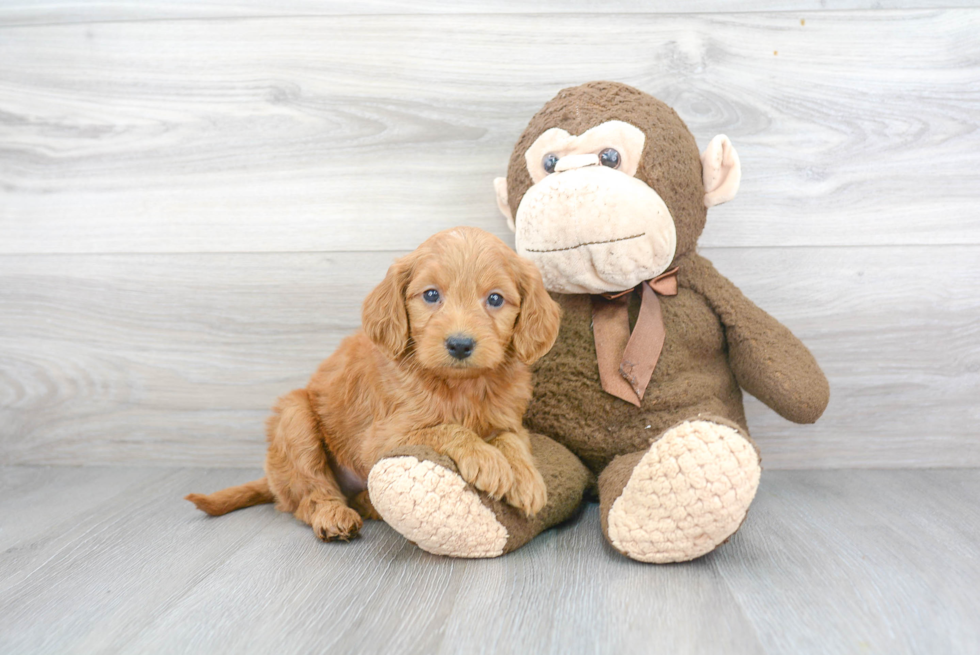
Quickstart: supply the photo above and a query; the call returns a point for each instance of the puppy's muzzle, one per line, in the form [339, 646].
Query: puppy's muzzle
[459, 346]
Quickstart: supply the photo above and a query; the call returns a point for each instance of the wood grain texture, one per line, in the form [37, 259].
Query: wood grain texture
[879, 562]
[159, 350]
[356, 133]
[110, 570]
[34, 497]
[828, 562]
[55, 12]
[175, 359]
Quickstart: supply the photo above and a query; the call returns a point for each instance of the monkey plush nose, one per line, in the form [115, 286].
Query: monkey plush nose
[460, 347]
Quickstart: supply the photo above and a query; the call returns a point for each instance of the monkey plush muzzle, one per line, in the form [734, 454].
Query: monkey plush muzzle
[592, 229]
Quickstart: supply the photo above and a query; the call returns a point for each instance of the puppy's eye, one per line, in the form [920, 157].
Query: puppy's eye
[609, 157]
[495, 300]
[549, 162]
[430, 296]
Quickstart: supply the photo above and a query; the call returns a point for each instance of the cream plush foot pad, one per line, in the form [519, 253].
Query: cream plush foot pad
[431, 505]
[687, 495]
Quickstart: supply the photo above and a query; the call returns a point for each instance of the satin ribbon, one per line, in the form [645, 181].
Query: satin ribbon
[626, 361]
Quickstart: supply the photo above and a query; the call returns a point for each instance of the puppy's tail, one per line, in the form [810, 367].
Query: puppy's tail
[228, 500]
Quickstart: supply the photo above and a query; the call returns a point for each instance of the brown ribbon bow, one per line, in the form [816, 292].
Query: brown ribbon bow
[626, 361]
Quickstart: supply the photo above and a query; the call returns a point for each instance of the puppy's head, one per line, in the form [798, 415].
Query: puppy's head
[460, 303]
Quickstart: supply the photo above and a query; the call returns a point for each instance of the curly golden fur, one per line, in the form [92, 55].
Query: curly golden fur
[397, 382]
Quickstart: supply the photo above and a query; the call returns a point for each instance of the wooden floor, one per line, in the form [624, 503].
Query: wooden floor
[112, 560]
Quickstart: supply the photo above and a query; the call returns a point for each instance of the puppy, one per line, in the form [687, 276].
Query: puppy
[441, 360]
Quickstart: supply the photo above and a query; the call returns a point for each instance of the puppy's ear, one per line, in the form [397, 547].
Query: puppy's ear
[383, 315]
[537, 325]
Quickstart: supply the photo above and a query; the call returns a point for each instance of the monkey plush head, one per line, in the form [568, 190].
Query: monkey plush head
[605, 188]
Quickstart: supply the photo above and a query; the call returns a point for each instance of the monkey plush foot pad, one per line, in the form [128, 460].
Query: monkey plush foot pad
[432, 506]
[687, 494]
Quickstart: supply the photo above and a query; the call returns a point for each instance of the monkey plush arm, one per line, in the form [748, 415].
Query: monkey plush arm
[768, 360]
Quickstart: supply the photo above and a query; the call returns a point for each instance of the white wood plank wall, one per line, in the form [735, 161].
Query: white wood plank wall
[195, 197]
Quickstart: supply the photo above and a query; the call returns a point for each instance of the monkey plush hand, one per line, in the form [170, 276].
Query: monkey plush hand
[607, 194]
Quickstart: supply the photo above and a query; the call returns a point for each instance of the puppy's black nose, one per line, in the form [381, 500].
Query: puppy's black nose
[460, 347]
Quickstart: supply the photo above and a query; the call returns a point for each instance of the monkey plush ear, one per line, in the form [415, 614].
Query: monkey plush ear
[384, 316]
[500, 186]
[720, 170]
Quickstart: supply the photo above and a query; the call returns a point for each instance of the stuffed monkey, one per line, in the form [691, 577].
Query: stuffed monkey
[607, 195]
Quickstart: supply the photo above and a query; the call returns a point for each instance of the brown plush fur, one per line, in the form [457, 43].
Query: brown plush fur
[717, 342]
[671, 163]
[394, 384]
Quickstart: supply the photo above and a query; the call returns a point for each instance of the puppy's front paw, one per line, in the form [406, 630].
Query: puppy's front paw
[485, 468]
[529, 493]
[334, 521]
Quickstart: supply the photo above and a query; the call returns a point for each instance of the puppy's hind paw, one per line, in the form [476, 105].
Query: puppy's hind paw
[336, 522]
[361, 503]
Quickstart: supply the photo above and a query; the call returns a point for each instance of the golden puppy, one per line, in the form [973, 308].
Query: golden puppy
[442, 360]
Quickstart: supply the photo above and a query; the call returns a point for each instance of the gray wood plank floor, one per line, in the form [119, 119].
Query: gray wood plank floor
[112, 560]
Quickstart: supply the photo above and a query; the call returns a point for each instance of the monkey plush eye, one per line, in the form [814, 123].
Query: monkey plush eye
[609, 157]
[495, 300]
[549, 162]
[430, 296]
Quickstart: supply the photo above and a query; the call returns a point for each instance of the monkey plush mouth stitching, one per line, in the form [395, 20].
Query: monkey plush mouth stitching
[591, 243]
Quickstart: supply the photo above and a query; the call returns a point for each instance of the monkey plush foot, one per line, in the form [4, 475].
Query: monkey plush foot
[421, 494]
[429, 503]
[684, 496]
